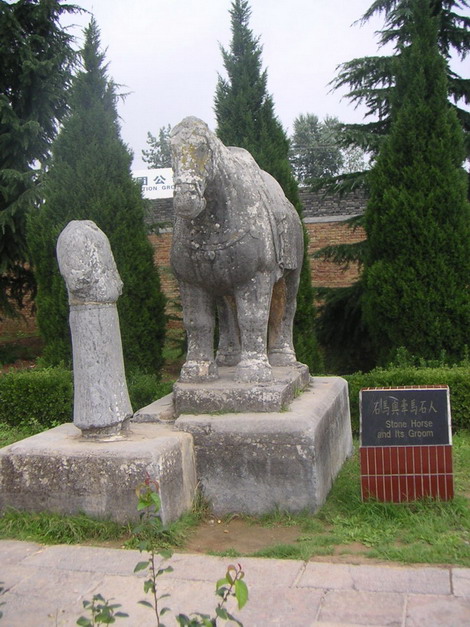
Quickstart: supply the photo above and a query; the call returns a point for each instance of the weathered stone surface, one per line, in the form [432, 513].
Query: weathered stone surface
[101, 400]
[238, 248]
[255, 462]
[226, 395]
[60, 471]
[161, 410]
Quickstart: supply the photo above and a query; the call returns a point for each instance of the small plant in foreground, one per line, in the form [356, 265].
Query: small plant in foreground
[148, 533]
[232, 585]
[148, 507]
[102, 612]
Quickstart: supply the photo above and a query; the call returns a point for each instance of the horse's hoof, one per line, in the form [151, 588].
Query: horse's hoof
[253, 371]
[228, 359]
[282, 358]
[198, 371]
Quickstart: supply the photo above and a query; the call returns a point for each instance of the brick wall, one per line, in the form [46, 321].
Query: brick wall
[321, 234]
[324, 218]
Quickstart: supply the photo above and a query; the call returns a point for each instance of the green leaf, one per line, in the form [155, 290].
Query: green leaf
[221, 582]
[146, 603]
[155, 500]
[149, 586]
[121, 614]
[165, 553]
[241, 593]
[221, 613]
[141, 566]
[231, 569]
[84, 622]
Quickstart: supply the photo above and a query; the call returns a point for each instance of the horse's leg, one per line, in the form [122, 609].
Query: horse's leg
[228, 353]
[198, 319]
[253, 302]
[281, 323]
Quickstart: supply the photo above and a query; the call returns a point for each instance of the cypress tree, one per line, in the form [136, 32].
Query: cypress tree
[416, 275]
[36, 67]
[245, 118]
[373, 82]
[90, 179]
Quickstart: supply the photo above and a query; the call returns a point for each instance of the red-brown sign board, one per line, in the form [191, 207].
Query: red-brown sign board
[406, 443]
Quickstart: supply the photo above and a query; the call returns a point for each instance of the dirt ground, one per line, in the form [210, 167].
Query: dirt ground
[247, 538]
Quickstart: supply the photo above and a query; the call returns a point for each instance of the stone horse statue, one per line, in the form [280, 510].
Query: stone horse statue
[238, 247]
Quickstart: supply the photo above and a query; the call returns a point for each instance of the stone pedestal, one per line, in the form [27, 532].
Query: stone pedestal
[226, 395]
[256, 462]
[59, 471]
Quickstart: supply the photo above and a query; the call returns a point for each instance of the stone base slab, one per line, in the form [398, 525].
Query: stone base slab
[254, 463]
[226, 395]
[59, 471]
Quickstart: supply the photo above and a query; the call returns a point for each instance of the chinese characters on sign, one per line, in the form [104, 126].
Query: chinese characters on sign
[155, 183]
[405, 416]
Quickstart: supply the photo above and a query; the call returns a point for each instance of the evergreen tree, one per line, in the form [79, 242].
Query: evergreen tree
[159, 153]
[372, 81]
[36, 64]
[416, 275]
[90, 179]
[245, 118]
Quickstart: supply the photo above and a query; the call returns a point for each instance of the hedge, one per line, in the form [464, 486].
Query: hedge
[457, 378]
[36, 397]
[45, 396]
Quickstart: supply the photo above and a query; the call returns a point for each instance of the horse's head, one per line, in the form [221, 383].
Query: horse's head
[191, 156]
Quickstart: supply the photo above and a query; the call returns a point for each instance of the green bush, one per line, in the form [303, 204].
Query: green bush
[146, 388]
[36, 397]
[44, 397]
[456, 377]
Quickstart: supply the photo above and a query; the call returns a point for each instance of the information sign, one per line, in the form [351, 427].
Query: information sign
[408, 417]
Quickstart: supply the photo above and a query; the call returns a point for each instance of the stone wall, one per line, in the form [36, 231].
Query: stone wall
[315, 205]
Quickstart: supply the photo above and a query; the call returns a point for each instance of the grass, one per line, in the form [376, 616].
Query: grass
[425, 531]
[48, 528]
[9, 434]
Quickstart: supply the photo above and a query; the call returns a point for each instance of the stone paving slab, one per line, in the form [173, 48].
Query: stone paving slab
[437, 611]
[85, 558]
[47, 586]
[362, 607]
[427, 580]
[461, 582]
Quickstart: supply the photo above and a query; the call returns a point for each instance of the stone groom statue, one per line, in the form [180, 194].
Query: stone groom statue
[238, 247]
[101, 400]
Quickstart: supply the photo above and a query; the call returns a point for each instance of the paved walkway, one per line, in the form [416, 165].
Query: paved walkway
[46, 586]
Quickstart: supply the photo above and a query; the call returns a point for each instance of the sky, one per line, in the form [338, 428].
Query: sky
[165, 55]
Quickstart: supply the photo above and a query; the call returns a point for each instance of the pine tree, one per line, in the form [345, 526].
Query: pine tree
[372, 82]
[245, 118]
[416, 275]
[90, 179]
[36, 65]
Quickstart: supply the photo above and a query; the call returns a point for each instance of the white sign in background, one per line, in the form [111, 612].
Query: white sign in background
[156, 183]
